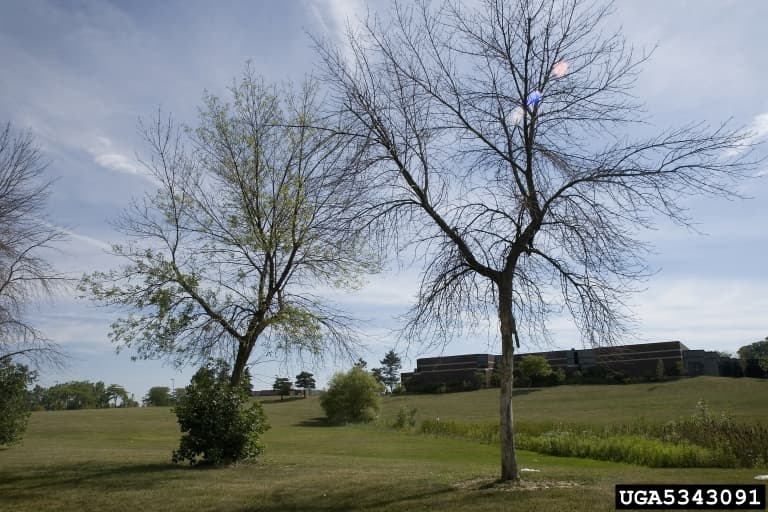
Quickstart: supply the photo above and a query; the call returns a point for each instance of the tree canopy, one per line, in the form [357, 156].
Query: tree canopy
[25, 232]
[305, 381]
[249, 217]
[390, 370]
[531, 367]
[497, 137]
[283, 386]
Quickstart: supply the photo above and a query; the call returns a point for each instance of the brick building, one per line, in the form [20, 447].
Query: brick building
[634, 361]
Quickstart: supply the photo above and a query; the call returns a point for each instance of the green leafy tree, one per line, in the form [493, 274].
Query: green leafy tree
[390, 370]
[378, 374]
[250, 206]
[352, 397]
[532, 367]
[283, 386]
[757, 351]
[158, 396]
[178, 393]
[80, 395]
[499, 143]
[116, 393]
[14, 401]
[305, 381]
[219, 421]
[73, 395]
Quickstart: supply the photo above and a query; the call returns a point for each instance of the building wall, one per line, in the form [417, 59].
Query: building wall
[636, 361]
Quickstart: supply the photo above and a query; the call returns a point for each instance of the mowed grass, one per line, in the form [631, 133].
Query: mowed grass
[120, 459]
[744, 399]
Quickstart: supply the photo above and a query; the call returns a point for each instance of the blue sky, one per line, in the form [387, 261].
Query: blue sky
[80, 74]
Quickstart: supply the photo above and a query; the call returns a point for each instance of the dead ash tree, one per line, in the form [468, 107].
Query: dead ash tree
[499, 141]
[26, 275]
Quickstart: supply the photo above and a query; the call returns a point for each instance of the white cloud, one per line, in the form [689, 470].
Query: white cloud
[336, 15]
[336, 18]
[104, 141]
[757, 131]
[714, 314]
[106, 156]
[117, 162]
[759, 126]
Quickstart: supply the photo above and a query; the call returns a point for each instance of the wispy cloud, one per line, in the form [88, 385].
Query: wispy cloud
[336, 18]
[104, 154]
[756, 132]
[759, 128]
[117, 162]
[94, 242]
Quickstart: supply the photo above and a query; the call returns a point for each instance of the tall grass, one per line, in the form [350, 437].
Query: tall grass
[703, 440]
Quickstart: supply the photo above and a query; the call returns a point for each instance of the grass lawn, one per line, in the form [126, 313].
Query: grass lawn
[120, 459]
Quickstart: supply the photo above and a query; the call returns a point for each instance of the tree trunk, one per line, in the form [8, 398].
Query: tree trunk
[243, 354]
[245, 347]
[509, 471]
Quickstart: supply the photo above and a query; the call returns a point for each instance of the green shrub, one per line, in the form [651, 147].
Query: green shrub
[483, 432]
[14, 402]
[745, 444]
[630, 449]
[405, 418]
[352, 397]
[220, 423]
[703, 440]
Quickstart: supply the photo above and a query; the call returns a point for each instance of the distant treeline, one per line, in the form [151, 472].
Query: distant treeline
[80, 395]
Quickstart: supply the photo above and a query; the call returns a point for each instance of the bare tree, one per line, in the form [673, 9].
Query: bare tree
[224, 256]
[499, 141]
[26, 277]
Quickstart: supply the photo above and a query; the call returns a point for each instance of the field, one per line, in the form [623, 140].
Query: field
[120, 459]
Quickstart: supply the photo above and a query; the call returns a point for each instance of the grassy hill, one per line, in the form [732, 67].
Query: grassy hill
[120, 459]
[744, 399]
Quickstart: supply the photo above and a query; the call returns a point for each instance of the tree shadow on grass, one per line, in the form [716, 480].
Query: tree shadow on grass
[361, 498]
[384, 497]
[86, 475]
[320, 421]
[285, 400]
[524, 391]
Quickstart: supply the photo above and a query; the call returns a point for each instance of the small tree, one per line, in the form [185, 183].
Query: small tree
[390, 370]
[178, 393]
[378, 374]
[305, 381]
[158, 396]
[221, 424]
[352, 397]
[249, 209]
[660, 369]
[282, 385]
[531, 367]
[757, 351]
[117, 392]
[14, 404]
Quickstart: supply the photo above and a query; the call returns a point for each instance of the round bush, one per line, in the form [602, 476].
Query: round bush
[221, 424]
[352, 397]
